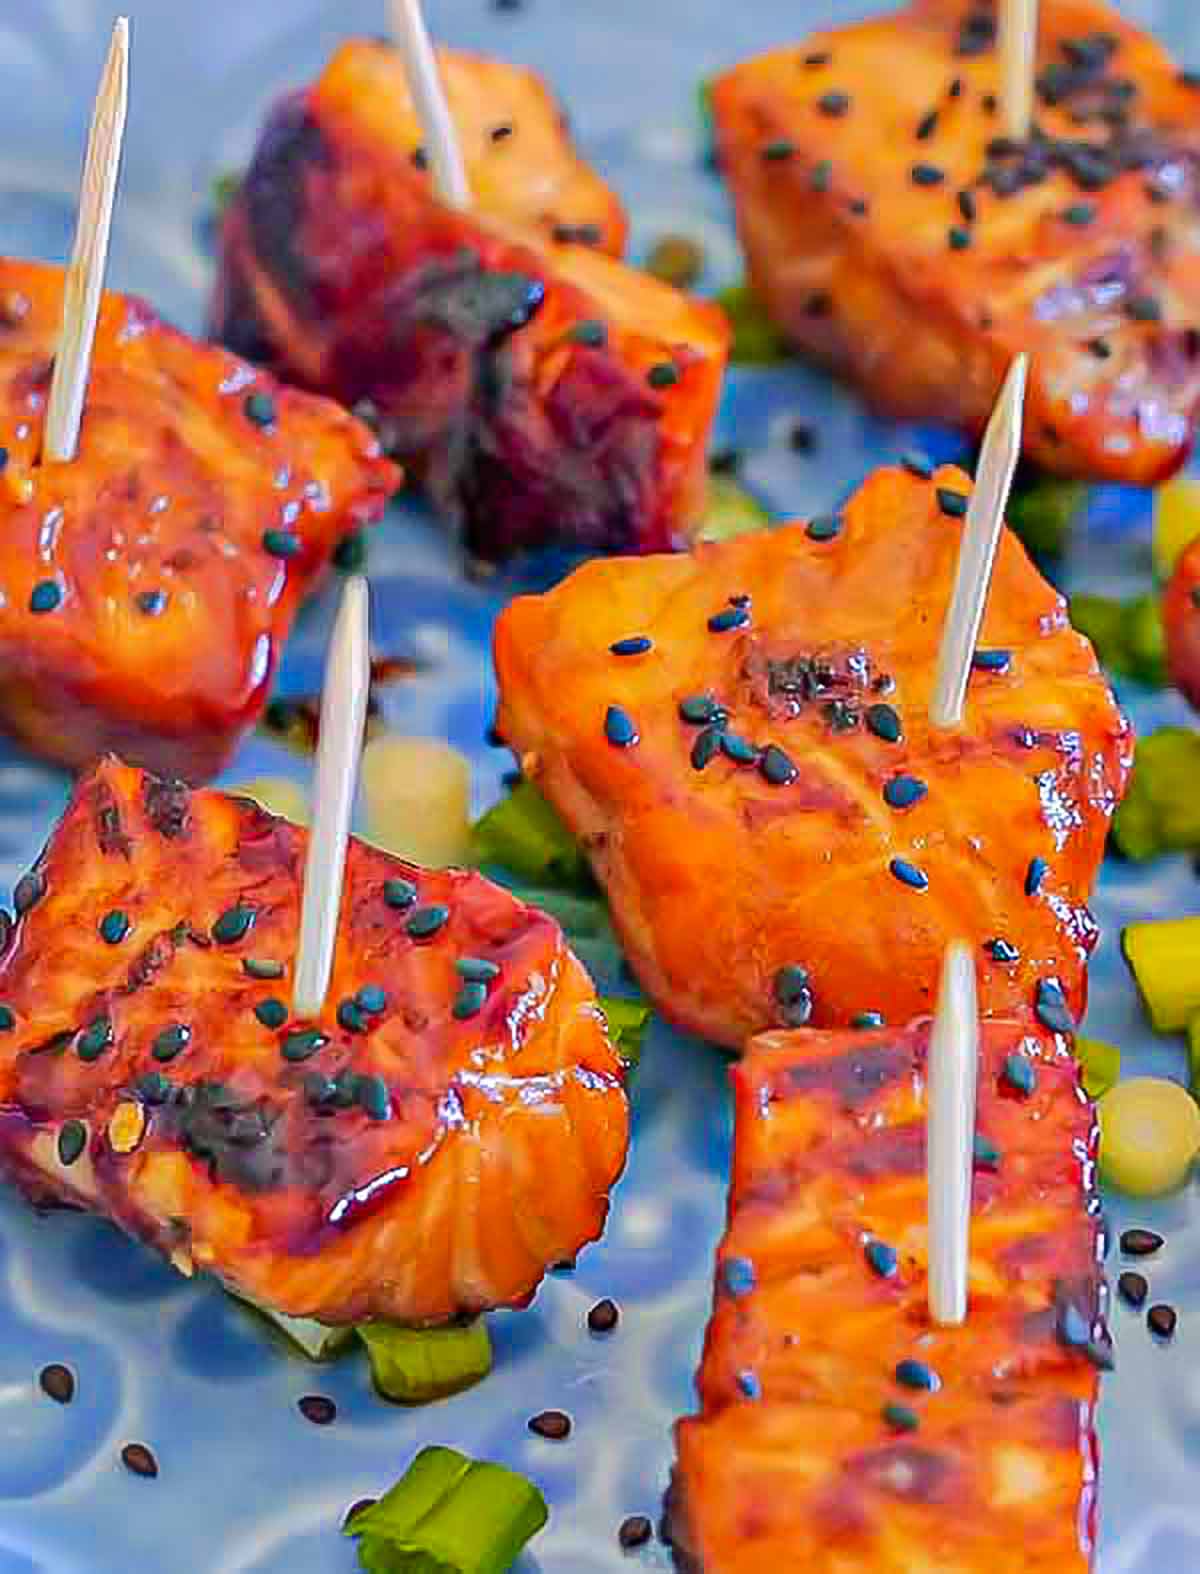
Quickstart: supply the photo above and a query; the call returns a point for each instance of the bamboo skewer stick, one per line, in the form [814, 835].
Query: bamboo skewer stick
[89, 256]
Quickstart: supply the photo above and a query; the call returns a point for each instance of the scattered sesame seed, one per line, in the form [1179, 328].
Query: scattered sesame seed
[835, 105]
[884, 721]
[775, 766]
[271, 1013]
[1133, 1288]
[281, 543]
[472, 997]
[1143, 308]
[426, 921]
[635, 645]
[590, 332]
[992, 660]
[986, 1153]
[909, 874]
[399, 893]
[865, 1020]
[706, 746]
[302, 1044]
[957, 238]
[604, 1316]
[882, 1258]
[634, 1532]
[778, 151]
[1079, 213]
[1002, 950]
[45, 596]
[699, 709]
[57, 1382]
[95, 1039]
[552, 1424]
[620, 728]
[901, 1418]
[373, 1097]
[1034, 875]
[72, 1139]
[1019, 1073]
[748, 1385]
[114, 926]
[171, 1041]
[1050, 1007]
[317, 1409]
[918, 465]
[138, 1459]
[1141, 1243]
[262, 968]
[967, 206]
[927, 125]
[818, 57]
[260, 409]
[822, 175]
[152, 602]
[234, 924]
[926, 175]
[901, 792]
[28, 892]
[728, 618]
[8, 1019]
[738, 749]
[373, 1000]
[953, 504]
[738, 1278]
[823, 527]
[1162, 1320]
[665, 374]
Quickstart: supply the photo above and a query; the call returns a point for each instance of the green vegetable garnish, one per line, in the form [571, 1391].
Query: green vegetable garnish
[449, 1515]
[523, 834]
[1161, 811]
[318, 1341]
[627, 1021]
[730, 511]
[1040, 511]
[1128, 635]
[755, 341]
[1193, 1054]
[1099, 1065]
[223, 190]
[413, 1366]
[1164, 956]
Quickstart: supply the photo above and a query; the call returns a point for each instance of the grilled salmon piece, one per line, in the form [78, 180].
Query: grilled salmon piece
[150, 584]
[387, 1159]
[781, 836]
[840, 1431]
[542, 391]
[895, 234]
[1181, 620]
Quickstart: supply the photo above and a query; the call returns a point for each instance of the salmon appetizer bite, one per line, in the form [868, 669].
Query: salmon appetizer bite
[387, 1159]
[895, 233]
[840, 1429]
[740, 739]
[1181, 622]
[149, 585]
[543, 392]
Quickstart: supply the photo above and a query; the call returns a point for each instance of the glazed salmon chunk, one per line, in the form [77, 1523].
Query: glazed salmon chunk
[744, 752]
[840, 1430]
[149, 585]
[894, 232]
[542, 391]
[386, 1159]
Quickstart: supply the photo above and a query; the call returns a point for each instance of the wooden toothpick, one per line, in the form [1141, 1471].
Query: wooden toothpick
[951, 1077]
[429, 99]
[977, 553]
[339, 745]
[1018, 57]
[89, 256]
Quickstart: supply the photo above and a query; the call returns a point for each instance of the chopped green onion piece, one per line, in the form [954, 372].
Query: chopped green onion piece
[523, 834]
[1128, 635]
[1099, 1065]
[755, 341]
[413, 1366]
[449, 1515]
[1161, 810]
[627, 1021]
[1164, 957]
[1040, 512]
[730, 511]
[318, 1341]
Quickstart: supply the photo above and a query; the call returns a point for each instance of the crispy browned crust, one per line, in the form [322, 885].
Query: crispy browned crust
[857, 262]
[392, 1167]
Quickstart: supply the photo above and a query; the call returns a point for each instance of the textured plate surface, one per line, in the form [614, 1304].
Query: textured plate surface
[246, 1484]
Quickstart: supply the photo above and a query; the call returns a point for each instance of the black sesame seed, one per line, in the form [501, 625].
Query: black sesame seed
[901, 1418]
[927, 125]
[909, 874]
[317, 1409]
[957, 238]
[471, 999]
[153, 1088]
[985, 1152]
[502, 132]
[46, 596]
[1133, 1288]
[860, 207]
[57, 1382]
[1141, 1243]
[818, 57]
[281, 543]
[664, 374]
[1020, 1074]
[882, 1258]
[373, 1097]
[967, 205]
[554, 1424]
[475, 969]
[171, 1041]
[399, 893]
[738, 749]
[151, 602]
[802, 438]
[955, 88]
[578, 234]
[28, 892]
[728, 618]
[915, 1374]
[620, 728]
[918, 465]
[927, 175]
[271, 1013]
[1050, 1007]
[1002, 950]
[420, 159]
[953, 504]
[706, 746]
[260, 968]
[8, 1019]
[72, 1139]
[604, 1316]
[824, 527]
[319, 1090]
[634, 1532]
[776, 767]
[778, 151]
[426, 921]
[865, 1020]
[234, 924]
[114, 926]
[884, 722]
[822, 175]
[635, 645]
[590, 332]
[992, 660]
[834, 104]
[136, 1457]
[699, 709]
[302, 1044]
[95, 1039]
[1079, 213]
[260, 409]
[1034, 875]
[903, 791]
[1162, 1320]
[1143, 308]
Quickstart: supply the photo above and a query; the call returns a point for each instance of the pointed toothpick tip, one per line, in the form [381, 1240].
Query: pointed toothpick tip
[952, 1075]
[1018, 61]
[84, 281]
[429, 98]
[977, 551]
[339, 748]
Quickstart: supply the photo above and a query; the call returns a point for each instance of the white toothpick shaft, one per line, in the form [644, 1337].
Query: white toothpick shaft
[339, 746]
[952, 1074]
[977, 552]
[429, 99]
[84, 282]
[1018, 59]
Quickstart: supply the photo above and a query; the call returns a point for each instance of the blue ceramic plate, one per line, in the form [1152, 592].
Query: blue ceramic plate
[246, 1484]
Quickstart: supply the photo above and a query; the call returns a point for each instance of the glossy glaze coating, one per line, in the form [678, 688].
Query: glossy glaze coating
[809, 855]
[141, 607]
[543, 391]
[1181, 618]
[856, 259]
[387, 1160]
[989, 1462]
